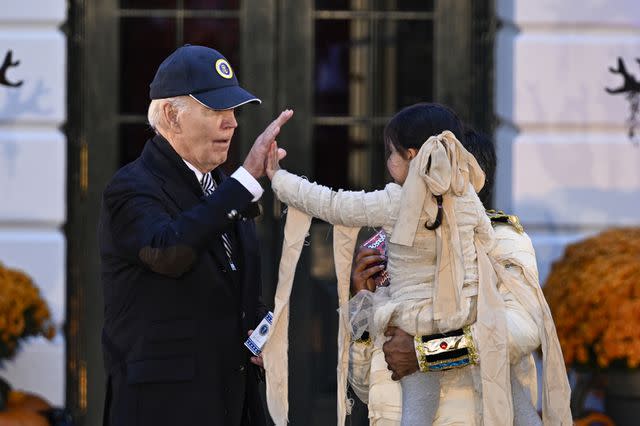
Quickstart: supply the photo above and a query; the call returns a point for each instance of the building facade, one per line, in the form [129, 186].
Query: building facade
[567, 163]
[33, 175]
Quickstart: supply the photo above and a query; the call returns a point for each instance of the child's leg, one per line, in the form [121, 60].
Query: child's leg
[524, 413]
[420, 397]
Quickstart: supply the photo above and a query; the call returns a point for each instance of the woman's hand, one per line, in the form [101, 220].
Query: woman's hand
[368, 263]
[272, 164]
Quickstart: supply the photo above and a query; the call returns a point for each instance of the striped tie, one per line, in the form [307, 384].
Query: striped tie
[208, 186]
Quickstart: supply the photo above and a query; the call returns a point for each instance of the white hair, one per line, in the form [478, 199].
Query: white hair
[155, 115]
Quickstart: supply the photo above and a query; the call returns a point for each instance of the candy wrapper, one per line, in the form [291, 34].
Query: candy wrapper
[379, 242]
[260, 335]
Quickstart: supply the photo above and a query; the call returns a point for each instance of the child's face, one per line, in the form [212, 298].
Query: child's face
[397, 165]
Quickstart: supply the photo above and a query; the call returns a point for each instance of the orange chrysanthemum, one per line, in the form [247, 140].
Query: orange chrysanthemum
[23, 313]
[594, 296]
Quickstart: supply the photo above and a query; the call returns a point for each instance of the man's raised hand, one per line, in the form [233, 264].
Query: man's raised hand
[256, 159]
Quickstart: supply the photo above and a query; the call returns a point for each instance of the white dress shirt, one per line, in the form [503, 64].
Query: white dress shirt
[241, 175]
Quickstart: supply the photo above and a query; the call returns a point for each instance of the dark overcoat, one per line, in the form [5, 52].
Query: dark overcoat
[176, 314]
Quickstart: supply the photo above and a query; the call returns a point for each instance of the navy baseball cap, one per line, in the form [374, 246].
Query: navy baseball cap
[202, 73]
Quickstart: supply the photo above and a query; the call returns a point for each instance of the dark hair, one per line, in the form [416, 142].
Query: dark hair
[481, 147]
[413, 125]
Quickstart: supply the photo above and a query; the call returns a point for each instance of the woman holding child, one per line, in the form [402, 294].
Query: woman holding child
[444, 273]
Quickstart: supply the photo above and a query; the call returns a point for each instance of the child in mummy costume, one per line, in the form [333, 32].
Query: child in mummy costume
[443, 280]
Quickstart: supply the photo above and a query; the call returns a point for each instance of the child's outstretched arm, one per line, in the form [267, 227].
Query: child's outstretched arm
[349, 208]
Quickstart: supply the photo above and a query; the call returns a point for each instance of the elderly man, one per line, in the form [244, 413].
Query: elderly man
[180, 260]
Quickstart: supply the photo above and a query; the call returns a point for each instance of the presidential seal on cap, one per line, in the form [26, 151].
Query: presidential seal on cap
[224, 69]
[202, 73]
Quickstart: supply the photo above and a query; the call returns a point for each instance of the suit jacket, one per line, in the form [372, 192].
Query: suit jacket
[176, 315]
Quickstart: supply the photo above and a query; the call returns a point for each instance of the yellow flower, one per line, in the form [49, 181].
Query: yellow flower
[594, 296]
[23, 313]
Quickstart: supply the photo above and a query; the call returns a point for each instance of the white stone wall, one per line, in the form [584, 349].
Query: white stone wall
[33, 177]
[566, 164]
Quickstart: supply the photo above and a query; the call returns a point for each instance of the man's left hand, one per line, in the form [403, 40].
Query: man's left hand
[257, 360]
[400, 353]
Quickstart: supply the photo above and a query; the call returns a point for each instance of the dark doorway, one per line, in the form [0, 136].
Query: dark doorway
[345, 66]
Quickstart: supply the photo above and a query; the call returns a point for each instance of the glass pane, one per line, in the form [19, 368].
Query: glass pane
[147, 4]
[332, 67]
[212, 4]
[331, 155]
[342, 156]
[220, 34]
[144, 44]
[350, 157]
[132, 138]
[359, 158]
[379, 173]
[400, 5]
[414, 62]
[332, 4]
[413, 5]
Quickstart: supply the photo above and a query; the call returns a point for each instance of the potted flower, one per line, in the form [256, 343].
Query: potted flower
[23, 313]
[594, 295]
